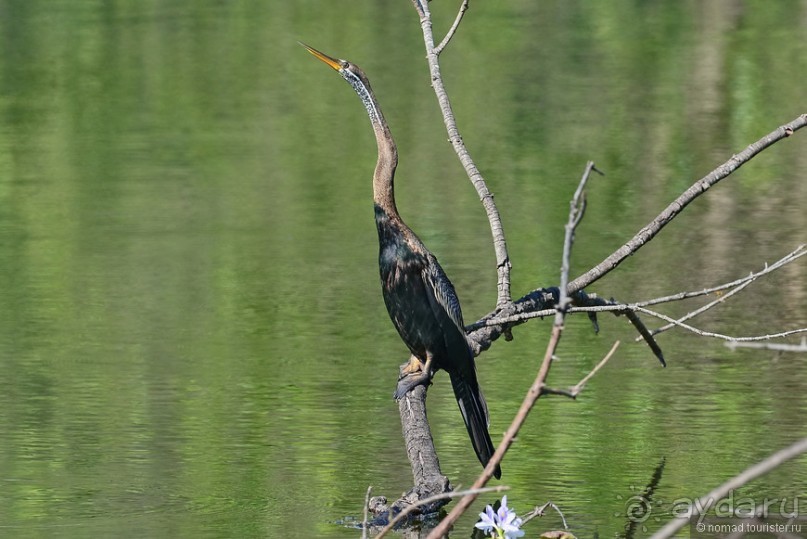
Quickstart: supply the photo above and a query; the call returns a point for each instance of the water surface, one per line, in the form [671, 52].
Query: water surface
[192, 338]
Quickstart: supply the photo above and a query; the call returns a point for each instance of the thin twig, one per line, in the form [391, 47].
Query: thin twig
[703, 333]
[705, 503]
[577, 209]
[533, 394]
[582, 383]
[574, 391]
[801, 347]
[403, 514]
[539, 512]
[698, 188]
[521, 317]
[800, 251]
[499, 322]
[486, 197]
[366, 513]
[451, 31]
[794, 255]
[744, 282]
[628, 307]
[623, 308]
[538, 386]
[704, 308]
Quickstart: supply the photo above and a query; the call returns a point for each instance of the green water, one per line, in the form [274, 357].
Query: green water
[192, 337]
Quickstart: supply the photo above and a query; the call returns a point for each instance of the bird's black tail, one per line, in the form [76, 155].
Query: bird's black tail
[475, 413]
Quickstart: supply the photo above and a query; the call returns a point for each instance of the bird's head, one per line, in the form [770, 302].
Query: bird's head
[353, 75]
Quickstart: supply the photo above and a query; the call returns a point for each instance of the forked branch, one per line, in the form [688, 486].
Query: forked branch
[698, 188]
[538, 387]
[730, 338]
[734, 287]
[451, 31]
[557, 301]
[400, 517]
[797, 253]
[595, 306]
[575, 390]
[432, 55]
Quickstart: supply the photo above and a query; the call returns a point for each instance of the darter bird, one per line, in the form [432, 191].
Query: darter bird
[420, 299]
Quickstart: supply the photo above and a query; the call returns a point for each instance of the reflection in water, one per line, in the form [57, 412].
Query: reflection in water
[192, 340]
[639, 507]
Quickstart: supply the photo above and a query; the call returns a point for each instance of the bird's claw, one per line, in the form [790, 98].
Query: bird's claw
[409, 382]
[413, 366]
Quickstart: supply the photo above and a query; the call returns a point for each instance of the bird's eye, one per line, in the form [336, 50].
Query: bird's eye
[345, 64]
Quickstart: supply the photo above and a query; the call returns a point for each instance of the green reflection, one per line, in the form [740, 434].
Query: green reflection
[192, 338]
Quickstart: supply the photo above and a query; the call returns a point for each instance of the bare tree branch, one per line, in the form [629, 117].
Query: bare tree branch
[624, 308]
[538, 302]
[574, 391]
[533, 394]
[646, 335]
[524, 315]
[451, 31]
[426, 474]
[539, 512]
[800, 251]
[444, 496]
[366, 511]
[500, 246]
[801, 347]
[538, 386]
[712, 334]
[708, 501]
[576, 211]
[697, 189]
[582, 383]
[704, 308]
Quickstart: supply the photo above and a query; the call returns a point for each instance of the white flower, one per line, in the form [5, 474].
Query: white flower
[503, 524]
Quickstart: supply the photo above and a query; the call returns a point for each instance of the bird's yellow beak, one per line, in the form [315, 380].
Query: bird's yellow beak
[333, 62]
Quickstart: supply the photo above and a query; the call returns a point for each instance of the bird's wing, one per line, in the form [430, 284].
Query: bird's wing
[460, 363]
[441, 294]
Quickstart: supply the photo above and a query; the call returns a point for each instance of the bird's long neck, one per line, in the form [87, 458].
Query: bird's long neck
[384, 176]
[383, 189]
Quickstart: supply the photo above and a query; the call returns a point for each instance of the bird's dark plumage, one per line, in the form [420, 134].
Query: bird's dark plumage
[420, 299]
[425, 310]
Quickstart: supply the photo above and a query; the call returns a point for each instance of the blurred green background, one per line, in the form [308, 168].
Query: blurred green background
[192, 337]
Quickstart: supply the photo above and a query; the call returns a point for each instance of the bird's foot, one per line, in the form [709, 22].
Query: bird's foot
[413, 374]
[408, 382]
[413, 366]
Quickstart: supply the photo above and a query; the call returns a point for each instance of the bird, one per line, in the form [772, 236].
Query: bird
[420, 299]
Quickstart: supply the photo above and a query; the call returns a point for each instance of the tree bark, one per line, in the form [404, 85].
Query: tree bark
[428, 479]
